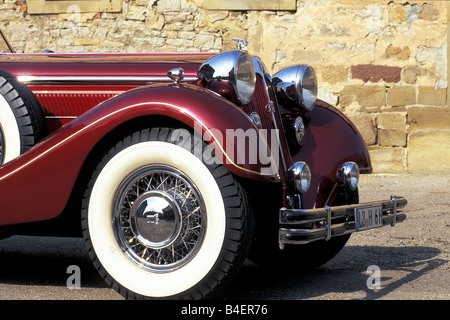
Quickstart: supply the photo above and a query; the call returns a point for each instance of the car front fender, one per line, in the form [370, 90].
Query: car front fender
[37, 185]
[331, 139]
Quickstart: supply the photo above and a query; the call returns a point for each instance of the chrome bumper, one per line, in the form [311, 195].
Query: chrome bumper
[299, 226]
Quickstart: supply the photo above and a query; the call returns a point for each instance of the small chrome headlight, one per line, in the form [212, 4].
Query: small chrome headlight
[300, 175]
[297, 87]
[231, 74]
[348, 175]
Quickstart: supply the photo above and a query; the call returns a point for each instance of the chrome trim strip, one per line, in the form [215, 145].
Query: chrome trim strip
[61, 117]
[32, 79]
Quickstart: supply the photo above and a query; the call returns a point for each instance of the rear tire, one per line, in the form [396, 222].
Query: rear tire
[160, 223]
[22, 123]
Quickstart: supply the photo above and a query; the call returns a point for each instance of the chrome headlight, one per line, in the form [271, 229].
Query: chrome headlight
[230, 74]
[300, 175]
[297, 87]
[348, 175]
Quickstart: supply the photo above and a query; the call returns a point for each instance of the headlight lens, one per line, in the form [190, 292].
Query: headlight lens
[348, 175]
[231, 74]
[300, 175]
[245, 78]
[297, 87]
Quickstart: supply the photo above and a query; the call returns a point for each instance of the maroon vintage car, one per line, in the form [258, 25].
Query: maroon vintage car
[179, 166]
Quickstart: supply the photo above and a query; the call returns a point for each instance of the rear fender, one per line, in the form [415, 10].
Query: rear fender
[330, 140]
[36, 186]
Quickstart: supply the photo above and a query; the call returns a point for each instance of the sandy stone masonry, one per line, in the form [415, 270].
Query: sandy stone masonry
[383, 63]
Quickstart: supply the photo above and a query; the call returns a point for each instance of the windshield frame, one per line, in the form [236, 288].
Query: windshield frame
[5, 46]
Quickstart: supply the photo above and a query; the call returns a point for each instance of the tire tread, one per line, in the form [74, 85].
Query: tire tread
[26, 108]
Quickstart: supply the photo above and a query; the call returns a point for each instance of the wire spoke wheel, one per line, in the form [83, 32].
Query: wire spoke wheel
[159, 223]
[158, 218]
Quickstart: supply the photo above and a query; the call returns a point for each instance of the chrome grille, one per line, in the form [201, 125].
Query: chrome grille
[260, 103]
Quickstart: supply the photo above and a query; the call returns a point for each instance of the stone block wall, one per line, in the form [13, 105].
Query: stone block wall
[383, 63]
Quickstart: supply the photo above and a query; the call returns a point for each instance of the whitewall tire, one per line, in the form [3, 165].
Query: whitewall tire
[9, 133]
[159, 223]
[22, 123]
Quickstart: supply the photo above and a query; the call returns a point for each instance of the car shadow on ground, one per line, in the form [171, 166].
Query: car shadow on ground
[344, 277]
[44, 262]
[27, 260]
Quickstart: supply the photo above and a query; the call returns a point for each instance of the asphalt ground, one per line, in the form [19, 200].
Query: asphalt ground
[411, 259]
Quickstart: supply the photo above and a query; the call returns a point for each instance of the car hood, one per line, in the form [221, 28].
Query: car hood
[101, 64]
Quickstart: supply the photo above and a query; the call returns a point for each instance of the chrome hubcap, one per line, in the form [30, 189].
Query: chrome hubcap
[159, 218]
[156, 219]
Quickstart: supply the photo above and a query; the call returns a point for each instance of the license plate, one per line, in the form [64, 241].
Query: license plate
[368, 218]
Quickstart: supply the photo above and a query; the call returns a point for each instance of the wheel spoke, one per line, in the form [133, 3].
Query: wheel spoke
[157, 182]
